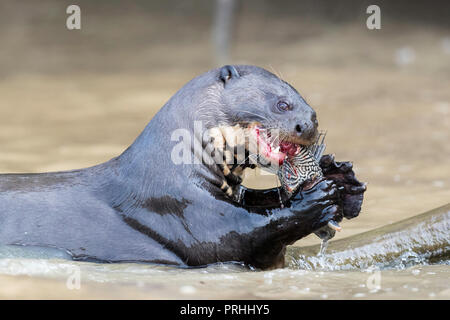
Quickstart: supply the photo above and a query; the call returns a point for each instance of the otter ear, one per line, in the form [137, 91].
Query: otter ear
[227, 73]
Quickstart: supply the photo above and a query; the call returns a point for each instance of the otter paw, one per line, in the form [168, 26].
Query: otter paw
[351, 190]
[317, 206]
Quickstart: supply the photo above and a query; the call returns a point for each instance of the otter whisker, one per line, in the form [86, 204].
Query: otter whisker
[276, 72]
[253, 156]
[274, 139]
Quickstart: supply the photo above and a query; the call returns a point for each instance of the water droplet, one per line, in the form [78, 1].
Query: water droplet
[323, 247]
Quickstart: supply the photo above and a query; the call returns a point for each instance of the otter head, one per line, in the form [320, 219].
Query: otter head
[261, 114]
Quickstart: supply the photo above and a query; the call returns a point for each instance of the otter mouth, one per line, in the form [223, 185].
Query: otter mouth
[253, 144]
[275, 147]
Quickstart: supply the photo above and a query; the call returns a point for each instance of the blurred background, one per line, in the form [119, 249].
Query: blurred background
[75, 98]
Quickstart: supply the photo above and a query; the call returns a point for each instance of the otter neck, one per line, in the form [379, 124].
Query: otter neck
[148, 164]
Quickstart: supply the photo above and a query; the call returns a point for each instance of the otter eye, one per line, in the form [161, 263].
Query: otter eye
[283, 106]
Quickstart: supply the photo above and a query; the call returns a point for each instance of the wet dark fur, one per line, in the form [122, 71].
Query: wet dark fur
[141, 207]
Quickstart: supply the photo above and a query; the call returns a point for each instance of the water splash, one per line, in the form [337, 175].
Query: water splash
[323, 247]
[420, 240]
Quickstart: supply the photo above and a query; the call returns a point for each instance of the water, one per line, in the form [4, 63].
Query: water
[393, 122]
[362, 266]
[323, 248]
[49, 279]
[423, 239]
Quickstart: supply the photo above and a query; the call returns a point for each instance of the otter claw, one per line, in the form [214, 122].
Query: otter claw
[334, 225]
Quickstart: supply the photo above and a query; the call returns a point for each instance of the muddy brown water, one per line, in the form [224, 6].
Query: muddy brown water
[384, 100]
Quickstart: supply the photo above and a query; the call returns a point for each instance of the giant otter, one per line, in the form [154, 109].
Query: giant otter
[141, 206]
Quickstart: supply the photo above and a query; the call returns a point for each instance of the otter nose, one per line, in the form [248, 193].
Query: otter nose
[306, 129]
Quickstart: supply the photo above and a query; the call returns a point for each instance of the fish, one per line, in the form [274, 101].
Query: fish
[301, 170]
[303, 167]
